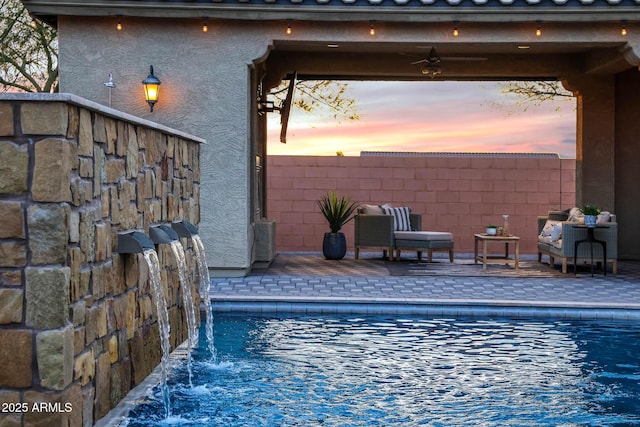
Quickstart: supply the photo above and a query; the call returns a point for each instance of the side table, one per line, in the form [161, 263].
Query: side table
[591, 240]
[486, 259]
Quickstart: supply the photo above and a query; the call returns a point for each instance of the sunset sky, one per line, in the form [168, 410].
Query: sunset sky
[430, 116]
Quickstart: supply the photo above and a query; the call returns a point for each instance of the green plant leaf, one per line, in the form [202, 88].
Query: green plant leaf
[336, 210]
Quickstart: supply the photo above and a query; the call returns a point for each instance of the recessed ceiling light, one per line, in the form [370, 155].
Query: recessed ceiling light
[333, 46]
[523, 46]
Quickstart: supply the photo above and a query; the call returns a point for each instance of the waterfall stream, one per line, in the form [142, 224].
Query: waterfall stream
[157, 288]
[205, 282]
[187, 300]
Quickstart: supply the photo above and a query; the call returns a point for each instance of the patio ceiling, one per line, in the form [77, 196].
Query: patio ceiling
[460, 61]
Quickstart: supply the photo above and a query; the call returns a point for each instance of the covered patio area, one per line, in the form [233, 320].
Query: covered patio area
[214, 82]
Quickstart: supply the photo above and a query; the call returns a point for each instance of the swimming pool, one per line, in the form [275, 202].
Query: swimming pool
[384, 371]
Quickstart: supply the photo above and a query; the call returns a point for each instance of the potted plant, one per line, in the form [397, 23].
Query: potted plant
[492, 230]
[337, 211]
[590, 213]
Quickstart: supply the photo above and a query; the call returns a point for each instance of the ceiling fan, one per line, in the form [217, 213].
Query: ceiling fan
[432, 68]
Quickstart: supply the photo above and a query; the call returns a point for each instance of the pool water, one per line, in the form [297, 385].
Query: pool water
[382, 371]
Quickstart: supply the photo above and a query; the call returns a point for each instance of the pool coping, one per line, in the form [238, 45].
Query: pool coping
[426, 307]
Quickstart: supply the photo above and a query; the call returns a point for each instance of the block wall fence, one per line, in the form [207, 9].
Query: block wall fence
[459, 195]
[77, 325]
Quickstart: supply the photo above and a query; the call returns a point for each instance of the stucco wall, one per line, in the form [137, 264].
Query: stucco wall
[204, 91]
[459, 195]
[77, 324]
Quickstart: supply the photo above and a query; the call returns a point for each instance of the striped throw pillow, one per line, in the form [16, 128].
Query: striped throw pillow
[401, 220]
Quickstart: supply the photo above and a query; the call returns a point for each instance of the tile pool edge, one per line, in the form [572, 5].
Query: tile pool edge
[393, 306]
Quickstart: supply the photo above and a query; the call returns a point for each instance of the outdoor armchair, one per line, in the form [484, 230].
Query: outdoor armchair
[377, 231]
[561, 247]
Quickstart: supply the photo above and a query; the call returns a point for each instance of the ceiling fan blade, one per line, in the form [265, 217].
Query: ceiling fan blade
[463, 58]
[419, 62]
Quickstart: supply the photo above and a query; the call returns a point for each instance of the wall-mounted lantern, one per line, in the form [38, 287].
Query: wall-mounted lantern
[151, 88]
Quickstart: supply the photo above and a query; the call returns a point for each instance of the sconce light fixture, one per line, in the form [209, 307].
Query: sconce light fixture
[623, 30]
[372, 28]
[205, 27]
[151, 88]
[119, 24]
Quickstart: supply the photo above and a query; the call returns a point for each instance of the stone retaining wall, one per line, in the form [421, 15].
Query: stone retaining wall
[77, 324]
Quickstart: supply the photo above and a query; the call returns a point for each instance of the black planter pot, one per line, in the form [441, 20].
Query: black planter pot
[334, 245]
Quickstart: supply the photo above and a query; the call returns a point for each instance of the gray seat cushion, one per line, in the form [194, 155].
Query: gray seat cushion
[423, 235]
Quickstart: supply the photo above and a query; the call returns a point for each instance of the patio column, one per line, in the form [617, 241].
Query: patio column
[595, 139]
[627, 206]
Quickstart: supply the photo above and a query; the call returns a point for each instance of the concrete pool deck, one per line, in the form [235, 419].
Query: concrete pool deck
[307, 283]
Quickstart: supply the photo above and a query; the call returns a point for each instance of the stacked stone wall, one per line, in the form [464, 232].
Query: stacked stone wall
[77, 325]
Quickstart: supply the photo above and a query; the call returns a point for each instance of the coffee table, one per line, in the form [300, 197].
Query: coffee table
[485, 259]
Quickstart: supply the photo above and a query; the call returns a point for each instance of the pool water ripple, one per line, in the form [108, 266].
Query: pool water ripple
[316, 371]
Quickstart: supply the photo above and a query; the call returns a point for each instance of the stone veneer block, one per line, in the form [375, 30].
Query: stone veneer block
[6, 119]
[10, 306]
[87, 234]
[52, 171]
[99, 170]
[138, 359]
[14, 167]
[113, 349]
[103, 386]
[99, 131]
[132, 156]
[103, 241]
[77, 291]
[79, 313]
[39, 118]
[74, 226]
[12, 254]
[54, 352]
[85, 134]
[48, 233]
[12, 225]
[10, 420]
[11, 277]
[47, 295]
[101, 321]
[111, 130]
[84, 367]
[16, 371]
[114, 169]
[130, 318]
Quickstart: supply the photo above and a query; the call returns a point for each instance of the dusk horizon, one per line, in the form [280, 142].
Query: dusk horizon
[431, 116]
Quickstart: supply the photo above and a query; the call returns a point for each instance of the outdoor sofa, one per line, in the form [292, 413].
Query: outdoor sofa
[559, 231]
[394, 229]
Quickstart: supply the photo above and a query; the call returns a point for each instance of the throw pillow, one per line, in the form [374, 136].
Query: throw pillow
[576, 216]
[401, 221]
[547, 230]
[372, 210]
[556, 232]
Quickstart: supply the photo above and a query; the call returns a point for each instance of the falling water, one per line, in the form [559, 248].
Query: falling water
[187, 301]
[157, 288]
[205, 282]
